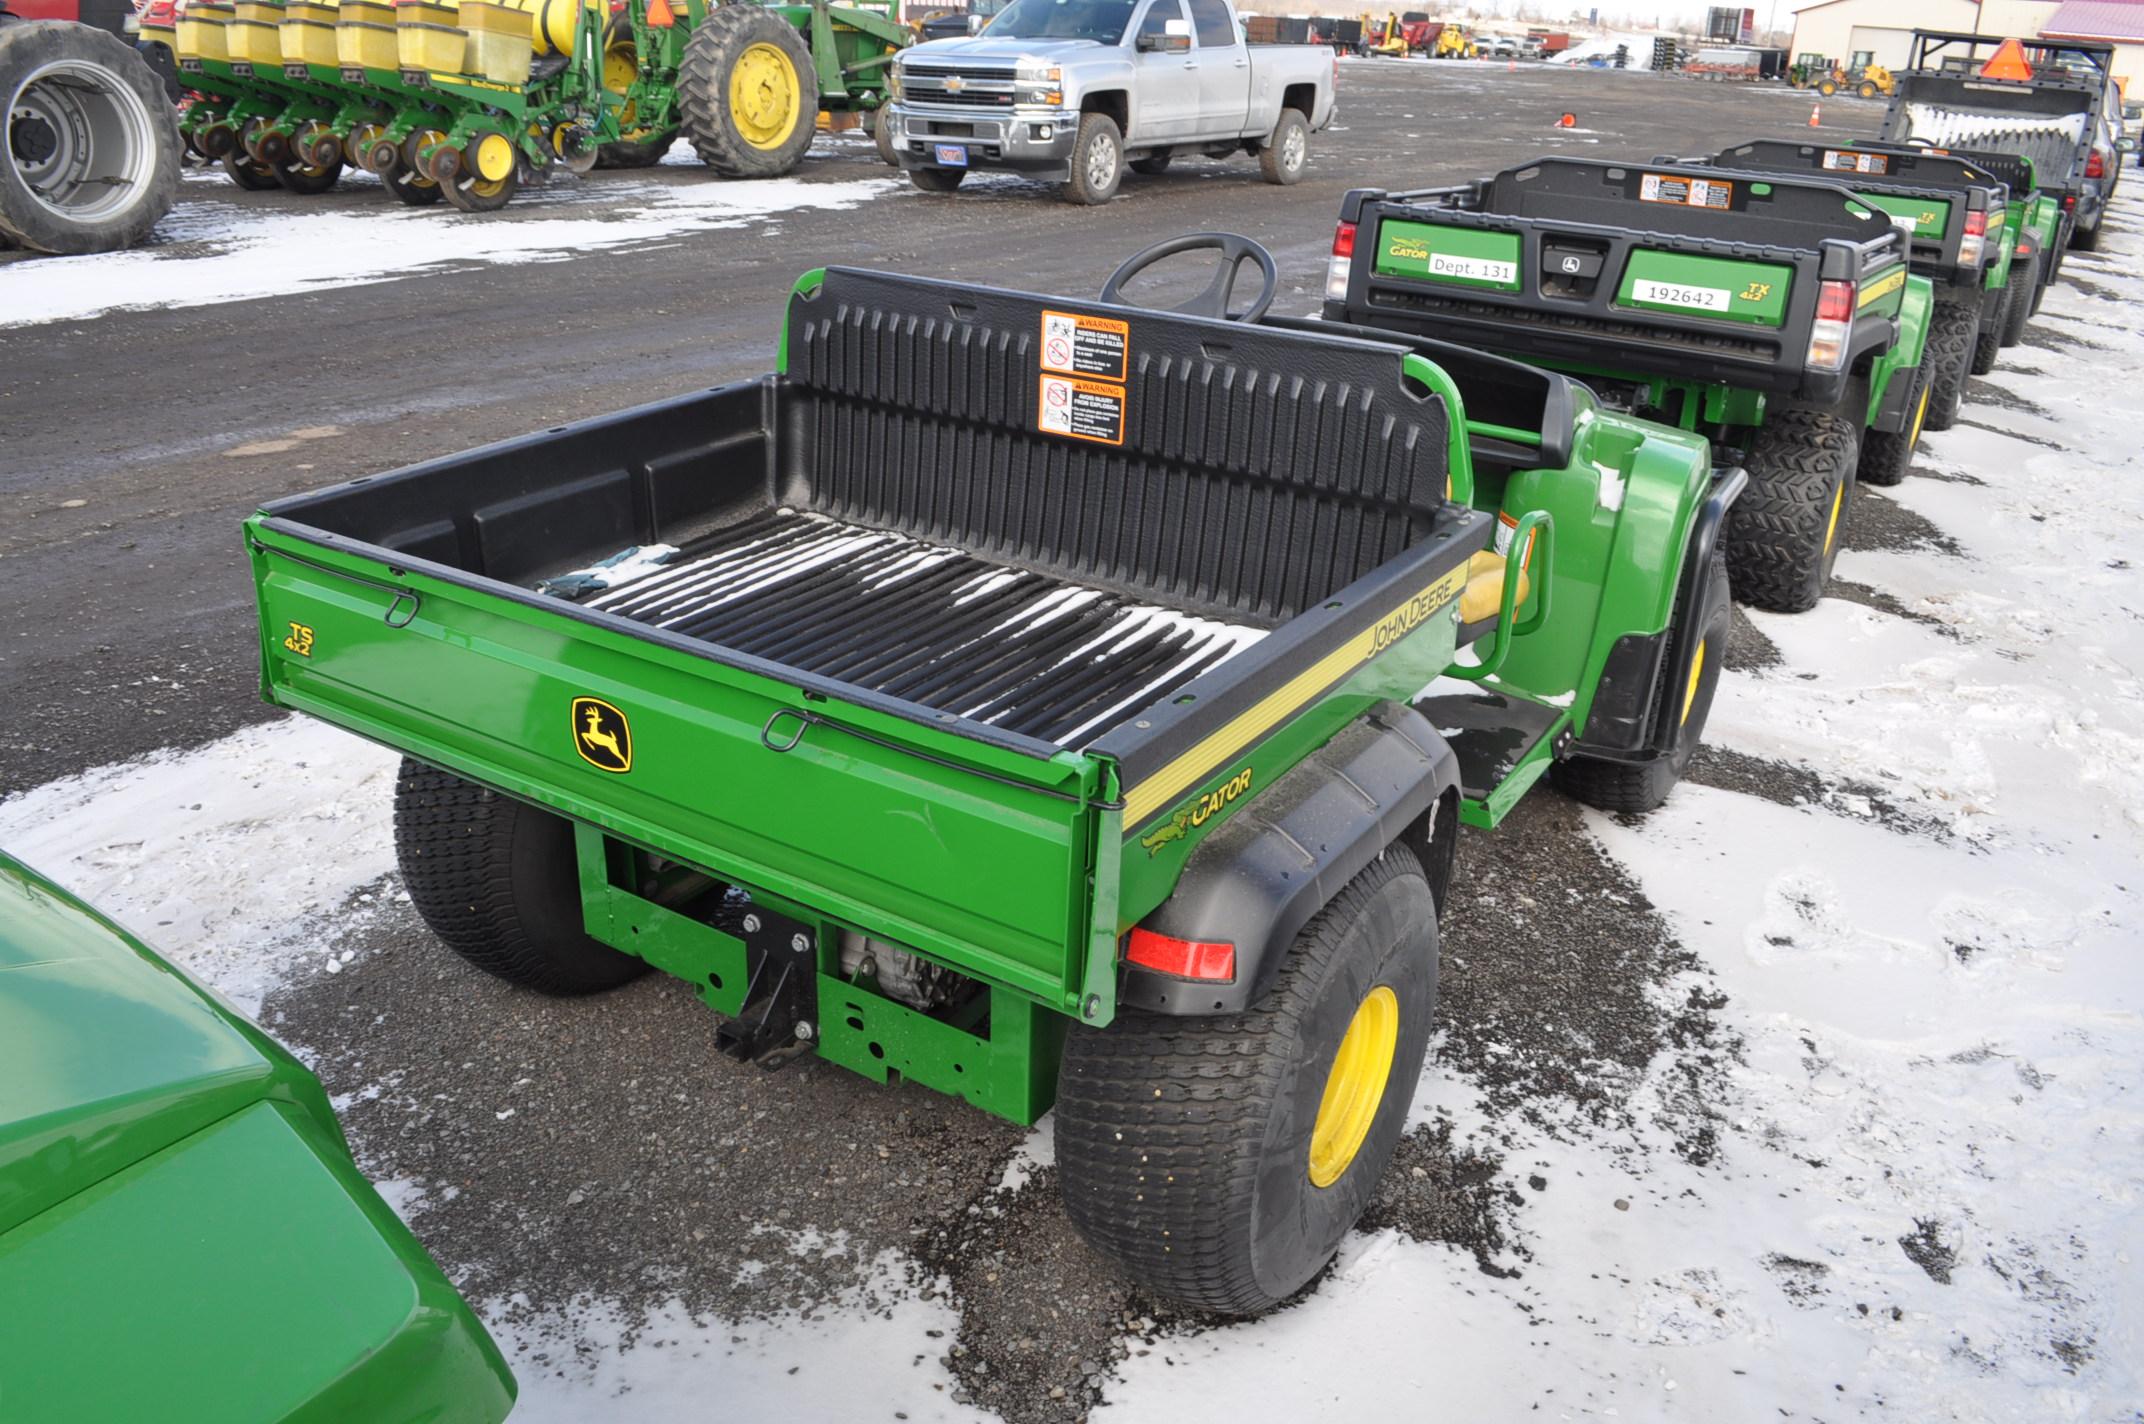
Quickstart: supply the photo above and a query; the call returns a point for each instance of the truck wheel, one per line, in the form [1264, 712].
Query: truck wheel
[1283, 157]
[89, 144]
[1887, 455]
[1097, 162]
[1636, 787]
[1953, 327]
[2020, 294]
[2085, 239]
[1219, 1161]
[1988, 345]
[748, 92]
[497, 880]
[882, 136]
[1783, 533]
[937, 180]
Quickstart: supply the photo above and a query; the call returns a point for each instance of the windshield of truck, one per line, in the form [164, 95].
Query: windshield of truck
[1102, 21]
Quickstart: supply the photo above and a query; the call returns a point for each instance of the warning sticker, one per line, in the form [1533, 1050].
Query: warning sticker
[1084, 410]
[1508, 525]
[1686, 192]
[1840, 161]
[1085, 345]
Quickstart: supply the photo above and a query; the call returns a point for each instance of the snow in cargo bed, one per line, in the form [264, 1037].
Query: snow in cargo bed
[2050, 141]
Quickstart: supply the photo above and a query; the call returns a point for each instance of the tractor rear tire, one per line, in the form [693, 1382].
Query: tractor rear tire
[89, 143]
[1887, 455]
[771, 139]
[1202, 1154]
[1783, 533]
[1953, 327]
[497, 880]
[636, 153]
[1988, 345]
[1633, 788]
[2024, 287]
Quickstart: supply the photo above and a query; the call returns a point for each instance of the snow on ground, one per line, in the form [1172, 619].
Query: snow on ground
[1924, 1204]
[213, 249]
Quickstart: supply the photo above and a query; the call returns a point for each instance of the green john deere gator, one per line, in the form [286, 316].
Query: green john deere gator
[1773, 315]
[462, 99]
[1032, 697]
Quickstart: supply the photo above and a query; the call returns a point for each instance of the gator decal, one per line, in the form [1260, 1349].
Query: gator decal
[1921, 217]
[1198, 813]
[1883, 286]
[1730, 289]
[1456, 255]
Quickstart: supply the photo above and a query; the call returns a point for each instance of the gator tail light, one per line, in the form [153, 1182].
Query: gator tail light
[1834, 324]
[1343, 257]
[2095, 165]
[1974, 245]
[1182, 958]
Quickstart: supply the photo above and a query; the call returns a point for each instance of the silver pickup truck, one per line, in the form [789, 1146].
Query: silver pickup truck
[1072, 90]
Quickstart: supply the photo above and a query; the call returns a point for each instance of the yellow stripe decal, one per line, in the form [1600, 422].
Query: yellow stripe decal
[1882, 287]
[1222, 746]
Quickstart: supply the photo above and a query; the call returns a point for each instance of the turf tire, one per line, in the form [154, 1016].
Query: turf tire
[1953, 327]
[703, 90]
[1781, 537]
[497, 880]
[1183, 1143]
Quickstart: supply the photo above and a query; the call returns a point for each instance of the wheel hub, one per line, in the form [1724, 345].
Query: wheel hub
[1355, 1088]
[765, 96]
[81, 139]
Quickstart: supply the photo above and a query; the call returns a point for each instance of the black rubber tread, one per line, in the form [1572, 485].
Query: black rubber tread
[25, 221]
[1077, 189]
[240, 168]
[496, 879]
[2024, 285]
[1153, 165]
[1633, 788]
[304, 179]
[461, 191]
[1953, 326]
[2086, 239]
[1988, 345]
[636, 153]
[1776, 554]
[1887, 455]
[1182, 1143]
[408, 189]
[937, 180]
[1269, 160]
[703, 89]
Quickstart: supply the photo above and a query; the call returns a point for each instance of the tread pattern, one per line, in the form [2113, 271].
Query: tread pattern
[1163, 1123]
[703, 91]
[1887, 455]
[1952, 327]
[495, 879]
[1776, 558]
[1988, 346]
[2018, 299]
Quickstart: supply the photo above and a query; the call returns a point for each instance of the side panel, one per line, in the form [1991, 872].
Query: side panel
[1915, 304]
[1923, 217]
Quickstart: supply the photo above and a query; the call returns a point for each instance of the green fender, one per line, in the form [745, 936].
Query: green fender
[1998, 270]
[2043, 219]
[1623, 509]
[1905, 353]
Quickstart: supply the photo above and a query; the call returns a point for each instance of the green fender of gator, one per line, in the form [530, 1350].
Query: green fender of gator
[1905, 353]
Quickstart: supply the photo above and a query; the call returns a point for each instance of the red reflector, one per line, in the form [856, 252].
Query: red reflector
[1976, 224]
[2069, 204]
[2095, 166]
[1344, 240]
[1184, 958]
[1835, 302]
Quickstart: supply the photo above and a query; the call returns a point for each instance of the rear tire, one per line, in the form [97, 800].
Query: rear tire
[1633, 788]
[937, 180]
[497, 880]
[2019, 295]
[1186, 1147]
[1287, 153]
[1783, 533]
[1988, 345]
[1887, 455]
[771, 135]
[1097, 162]
[1953, 327]
[2085, 239]
[89, 143]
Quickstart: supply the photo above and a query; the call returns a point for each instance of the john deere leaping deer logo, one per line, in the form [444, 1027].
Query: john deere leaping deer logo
[601, 736]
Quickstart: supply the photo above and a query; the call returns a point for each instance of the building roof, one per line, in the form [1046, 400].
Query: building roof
[2118, 20]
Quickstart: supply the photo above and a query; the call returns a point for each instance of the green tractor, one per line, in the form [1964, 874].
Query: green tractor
[462, 99]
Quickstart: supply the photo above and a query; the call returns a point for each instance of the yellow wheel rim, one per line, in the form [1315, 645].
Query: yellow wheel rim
[765, 97]
[1838, 500]
[492, 159]
[1356, 1086]
[1697, 669]
[1920, 414]
[621, 67]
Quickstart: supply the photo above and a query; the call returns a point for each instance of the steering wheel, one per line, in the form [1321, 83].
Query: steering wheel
[1213, 302]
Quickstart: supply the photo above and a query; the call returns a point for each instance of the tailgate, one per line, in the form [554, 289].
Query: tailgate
[972, 852]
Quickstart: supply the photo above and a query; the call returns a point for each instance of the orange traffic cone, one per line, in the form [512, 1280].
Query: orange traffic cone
[1815, 113]
[1511, 67]
[1568, 121]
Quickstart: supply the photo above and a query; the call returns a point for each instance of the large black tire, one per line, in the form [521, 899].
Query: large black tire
[1783, 533]
[1633, 788]
[496, 879]
[2086, 239]
[2020, 298]
[411, 190]
[1887, 455]
[636, 153]
[1185, 1145]
[1953, 327]
[770, 139]
[937, 180]
[90, 161]
[1988, 345]
[882, 139]
[1287, 150]
[1097, 162]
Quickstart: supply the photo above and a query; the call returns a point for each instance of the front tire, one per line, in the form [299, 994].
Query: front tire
[1953, 327]
[1097, 162]
[1219, 1161]
[1284, 157]
[748, 92]
[498, 881]
[1783, 533]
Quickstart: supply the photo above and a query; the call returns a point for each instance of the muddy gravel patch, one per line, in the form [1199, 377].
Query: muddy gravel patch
[1789, 784]
[1881, 523]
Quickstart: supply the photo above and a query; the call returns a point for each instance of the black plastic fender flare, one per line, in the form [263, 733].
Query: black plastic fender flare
[1257, 880]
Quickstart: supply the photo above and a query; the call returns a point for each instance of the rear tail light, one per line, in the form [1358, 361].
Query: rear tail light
[1974, 245]
[1182, 958]
[2069, 204]
[1833, 325]
[2095, 166]
[1343, 257]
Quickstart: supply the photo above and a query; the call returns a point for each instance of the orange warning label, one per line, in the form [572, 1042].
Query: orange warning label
[1686, 192]
[1084, 410]
[1085, 345]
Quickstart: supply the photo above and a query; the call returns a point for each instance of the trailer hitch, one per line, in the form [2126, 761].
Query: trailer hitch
[778, 1019]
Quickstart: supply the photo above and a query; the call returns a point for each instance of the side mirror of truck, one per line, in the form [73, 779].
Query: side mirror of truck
[2125, 145]
[1174, 39]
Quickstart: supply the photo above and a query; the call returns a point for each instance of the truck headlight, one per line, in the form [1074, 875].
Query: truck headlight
[893, 80]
